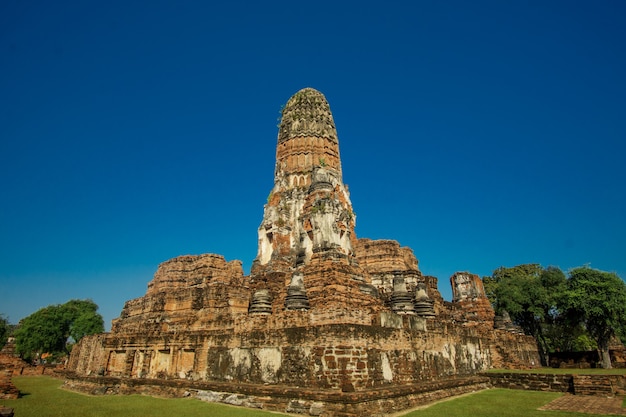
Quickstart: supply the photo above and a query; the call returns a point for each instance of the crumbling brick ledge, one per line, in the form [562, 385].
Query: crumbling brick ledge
[595, 384]
[326, 403]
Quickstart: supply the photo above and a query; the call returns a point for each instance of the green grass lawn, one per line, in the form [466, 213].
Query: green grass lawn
[497, 403]
[43, 397]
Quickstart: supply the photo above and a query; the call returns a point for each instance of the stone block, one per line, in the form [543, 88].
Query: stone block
[6, 412]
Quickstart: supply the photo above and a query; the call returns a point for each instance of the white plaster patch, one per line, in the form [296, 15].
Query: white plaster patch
[387, 372]
[449, 353]
[316, 409]
[271, 360]
[471, 354]
[242, 360]
[389, 319]
[163, 361]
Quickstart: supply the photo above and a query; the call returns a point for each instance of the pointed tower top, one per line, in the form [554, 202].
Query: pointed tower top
[307, 113]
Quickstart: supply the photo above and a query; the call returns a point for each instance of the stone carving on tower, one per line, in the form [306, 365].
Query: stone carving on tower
[306, 237]
[309, 207]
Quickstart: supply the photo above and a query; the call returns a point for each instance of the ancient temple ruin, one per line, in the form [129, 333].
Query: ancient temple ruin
[325, 324]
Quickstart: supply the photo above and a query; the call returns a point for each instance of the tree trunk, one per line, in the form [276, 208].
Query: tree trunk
[542, 344]
[544, 355]
[605, 357]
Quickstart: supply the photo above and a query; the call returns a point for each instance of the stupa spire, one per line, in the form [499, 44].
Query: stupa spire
[309, 207]
[307, 137]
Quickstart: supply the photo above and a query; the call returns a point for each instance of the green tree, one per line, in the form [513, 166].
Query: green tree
[48, 329]
[529, 294]
[84, 319]
[5, 328]
[597, 300]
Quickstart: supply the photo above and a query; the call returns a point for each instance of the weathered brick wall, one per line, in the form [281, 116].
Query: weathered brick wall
[8, 391]
[572, 383]
[89, 356]
[340, 356]
[384, 256]
[182, 288]
[12, 362]
[606, 385]
[21, 367]
[348, 341]
[513, 351]
[193, 271]
[532, 381]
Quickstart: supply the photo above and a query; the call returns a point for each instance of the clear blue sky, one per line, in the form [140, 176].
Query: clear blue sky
[480, 134]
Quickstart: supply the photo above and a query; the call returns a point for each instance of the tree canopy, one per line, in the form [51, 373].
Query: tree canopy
[597, 300]
[528, 293]
[48, 329]
[576, 313]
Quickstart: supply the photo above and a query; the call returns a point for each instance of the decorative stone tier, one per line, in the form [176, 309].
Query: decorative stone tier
[333, 282]
[194, 271]
[187, 293]
[298, 155]
[287, 399]
[385, 256]
[329, 350]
